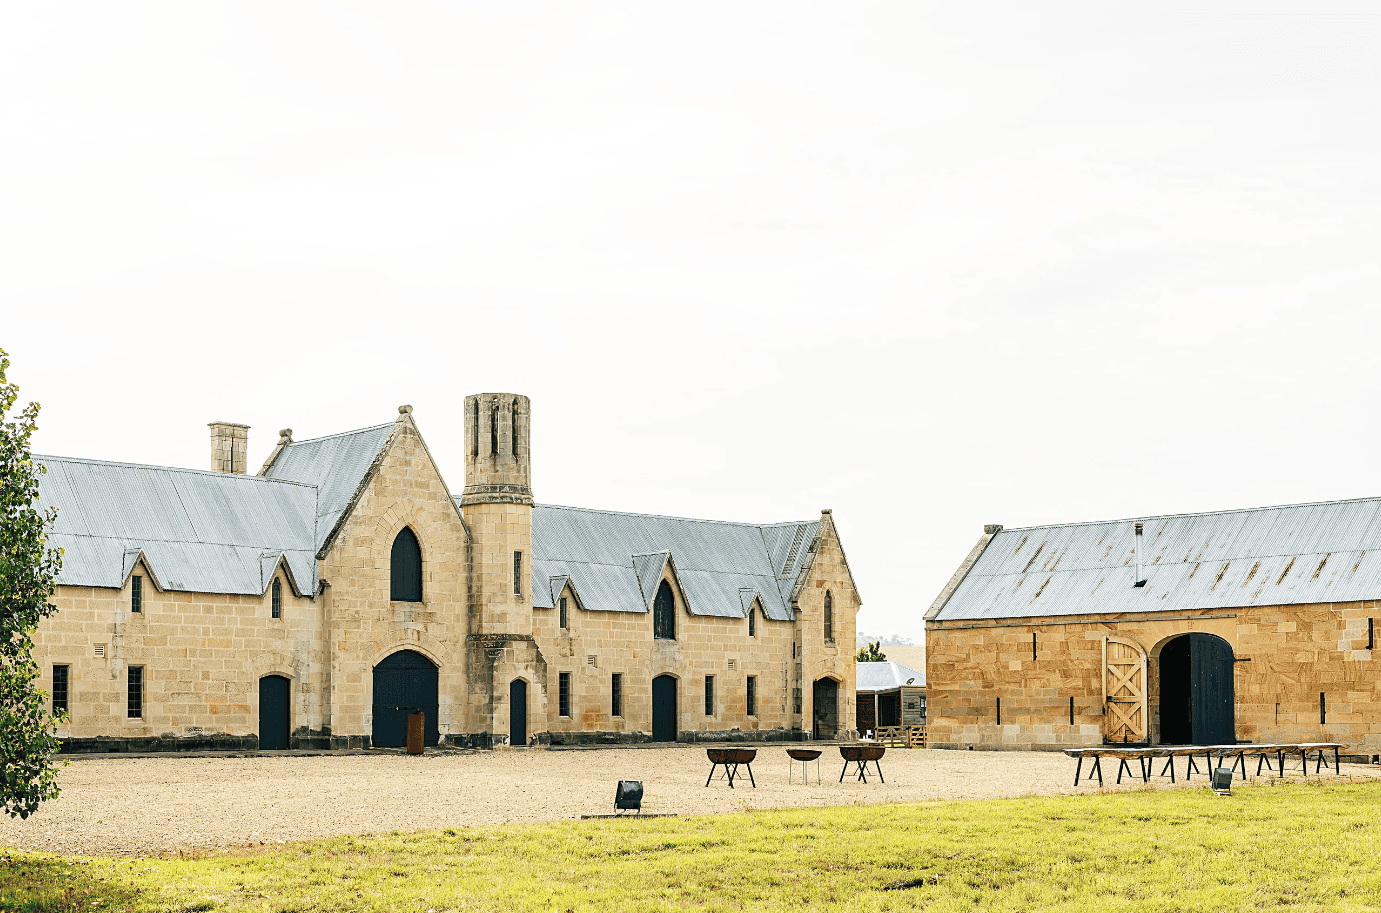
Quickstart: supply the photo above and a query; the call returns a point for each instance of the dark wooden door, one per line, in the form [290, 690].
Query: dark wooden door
[517, 712]
[1211, 690]
[825, 703]
[404, 682]
[664, 709]
[274, 692]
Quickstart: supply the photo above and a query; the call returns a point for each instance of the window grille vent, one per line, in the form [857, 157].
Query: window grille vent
[733, 663]
[98, 649]
[592, 660]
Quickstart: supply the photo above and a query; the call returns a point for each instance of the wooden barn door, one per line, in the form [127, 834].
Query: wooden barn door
[1211, 690]
[1124, 691]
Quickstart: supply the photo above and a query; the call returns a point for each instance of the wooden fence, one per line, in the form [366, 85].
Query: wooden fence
[901, 736]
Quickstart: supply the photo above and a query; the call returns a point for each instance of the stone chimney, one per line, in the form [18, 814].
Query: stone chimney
[229, 447]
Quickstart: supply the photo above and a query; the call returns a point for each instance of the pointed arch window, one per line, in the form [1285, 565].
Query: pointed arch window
[753, 619]
[405, 568]
[514, 438]
[277, 600]
[829, 618]
[664, 613]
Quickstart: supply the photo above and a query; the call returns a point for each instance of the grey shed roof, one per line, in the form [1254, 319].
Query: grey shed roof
[335, 465]
[888, 676]
[206, 532]
[1297, 554]
[613, 560]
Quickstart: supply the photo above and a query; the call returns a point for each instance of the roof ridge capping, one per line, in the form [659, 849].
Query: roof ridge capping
[630, 513]
[327, 437]
[1202, 513]
[40, 457]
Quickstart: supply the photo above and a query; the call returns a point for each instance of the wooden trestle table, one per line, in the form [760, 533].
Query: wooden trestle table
[1146, 758]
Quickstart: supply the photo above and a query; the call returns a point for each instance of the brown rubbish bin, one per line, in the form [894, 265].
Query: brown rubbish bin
[417, 725]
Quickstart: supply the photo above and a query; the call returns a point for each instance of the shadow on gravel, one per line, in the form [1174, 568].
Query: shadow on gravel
[33, 884]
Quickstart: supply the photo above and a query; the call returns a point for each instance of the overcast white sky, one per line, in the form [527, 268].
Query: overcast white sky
[932, 266]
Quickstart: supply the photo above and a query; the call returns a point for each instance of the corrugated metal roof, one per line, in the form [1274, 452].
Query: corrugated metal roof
[649, 570]
[199, 531]
[788, 544]
[335, 465]
[1291, 555]
[557, 584]
[611, 558]
[888, 675]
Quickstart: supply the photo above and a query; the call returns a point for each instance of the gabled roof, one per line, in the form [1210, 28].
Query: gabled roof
[336, 465]
[614, 560]
[888, 676]
[1291, 555]
[196, 531]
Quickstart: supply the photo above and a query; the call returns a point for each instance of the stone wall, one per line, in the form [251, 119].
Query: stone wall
[202, 654]
[363, 624]
[817, 657]
[598, 644]
[1287, 656]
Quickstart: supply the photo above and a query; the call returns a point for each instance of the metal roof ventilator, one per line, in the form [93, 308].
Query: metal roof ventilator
[1136, 550]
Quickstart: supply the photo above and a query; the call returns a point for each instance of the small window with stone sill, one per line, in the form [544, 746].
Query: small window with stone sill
[134, 706]
[60, 680]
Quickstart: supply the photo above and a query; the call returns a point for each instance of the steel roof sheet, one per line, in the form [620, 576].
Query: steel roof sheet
[336, 465]
[1290, 555]
[613, 558]
[198, 531]
[887, 676]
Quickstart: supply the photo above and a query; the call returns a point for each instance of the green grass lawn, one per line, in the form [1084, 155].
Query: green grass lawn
[1295, 846]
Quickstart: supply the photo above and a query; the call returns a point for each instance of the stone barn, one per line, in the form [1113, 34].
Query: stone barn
[1245, 625]
[318, 603]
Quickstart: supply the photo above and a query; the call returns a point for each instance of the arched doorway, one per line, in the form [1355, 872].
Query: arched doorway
[403, 682]
[1196, 691]
[825, 704]
[274, 698]
[517, 712]
[664, 727]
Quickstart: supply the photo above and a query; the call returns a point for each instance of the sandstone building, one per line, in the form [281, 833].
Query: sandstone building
[1248, 625]
[317, 603]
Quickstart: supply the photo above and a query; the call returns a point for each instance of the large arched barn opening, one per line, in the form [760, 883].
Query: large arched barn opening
[1196, 691]
[405, 681]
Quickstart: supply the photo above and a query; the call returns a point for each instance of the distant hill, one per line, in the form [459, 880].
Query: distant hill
[913, 656]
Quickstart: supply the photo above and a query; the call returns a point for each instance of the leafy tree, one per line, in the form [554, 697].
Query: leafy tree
[872, 653]
[28, 576]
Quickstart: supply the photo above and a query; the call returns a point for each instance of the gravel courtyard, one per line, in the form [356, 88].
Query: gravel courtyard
[168, 803]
